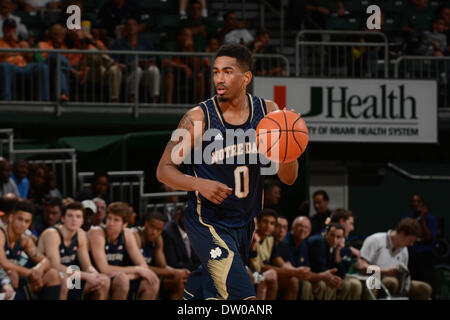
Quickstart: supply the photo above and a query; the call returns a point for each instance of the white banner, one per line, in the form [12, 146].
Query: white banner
[358, 110]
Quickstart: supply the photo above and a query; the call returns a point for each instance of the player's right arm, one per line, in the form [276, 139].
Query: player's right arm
[96, 238]
[6, 264]
[190, 129]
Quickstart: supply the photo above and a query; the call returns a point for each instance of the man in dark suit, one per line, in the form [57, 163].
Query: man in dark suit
[177, 249]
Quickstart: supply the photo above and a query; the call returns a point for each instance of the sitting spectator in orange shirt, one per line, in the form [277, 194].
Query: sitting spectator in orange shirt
[17, 65]
[56, 40]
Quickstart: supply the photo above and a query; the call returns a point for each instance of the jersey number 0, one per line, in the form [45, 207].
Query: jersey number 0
[241, 182]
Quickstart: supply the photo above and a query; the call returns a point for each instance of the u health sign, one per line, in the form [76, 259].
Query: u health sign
[358, 110]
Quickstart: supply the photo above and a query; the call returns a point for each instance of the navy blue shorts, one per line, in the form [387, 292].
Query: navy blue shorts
[223, 254]
[77, 294]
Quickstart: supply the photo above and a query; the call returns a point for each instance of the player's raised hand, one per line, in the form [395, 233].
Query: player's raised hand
[214, 191]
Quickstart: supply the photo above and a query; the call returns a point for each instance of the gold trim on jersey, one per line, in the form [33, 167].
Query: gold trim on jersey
[188, 293]
[262, 106]
[218, 112]
[249, 96]
[218, 269]
[207, 112]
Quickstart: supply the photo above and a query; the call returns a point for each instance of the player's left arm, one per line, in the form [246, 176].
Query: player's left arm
[287, 171]
[42, 263]
[83, 255]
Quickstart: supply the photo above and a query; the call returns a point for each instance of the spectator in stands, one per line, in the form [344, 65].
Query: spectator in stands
[303, 208]
[7, 204]
[53, 244]
[39, 186]
[437, 39]
[112, 16]
[295, 241]
[320, 200]
[5, 285]
[177, 248]
[266, 67]
[264, 256]
[6, 12]
[56, 39]
[445, 14]
[98, 188]
[318, 11]
[151, 244]
[170, 202]
[33, 5]
[41, 278]
[239, 35]
[53, 189]
[147, 69]
[421, 256]
[351, 256]
[281, 229]
[182, 4]
[115, 253]
[17, 66]
[89, 210]
[51, 215]
[7, 184]
[98, 69]
[19, 175]
[230, 23]
[388, 251]
[183, 70]
[272, 194]
[417, 17]
[325, 254]
[198, 24]
[101, 211]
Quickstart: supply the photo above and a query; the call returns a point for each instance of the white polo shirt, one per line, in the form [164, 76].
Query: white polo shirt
[377, 250]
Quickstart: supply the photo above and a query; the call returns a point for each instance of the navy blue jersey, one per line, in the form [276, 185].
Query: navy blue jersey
[68, 254]
[229, 155]
[148, 248]
[13, 254]
[116, 252]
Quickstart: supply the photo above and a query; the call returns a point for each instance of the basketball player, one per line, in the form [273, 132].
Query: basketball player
[41, 279]
[223, 198]
[116, 254]
[150, 241]
[66, 245]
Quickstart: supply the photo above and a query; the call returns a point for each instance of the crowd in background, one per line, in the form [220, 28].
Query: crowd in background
[123, 255]
[420, 27]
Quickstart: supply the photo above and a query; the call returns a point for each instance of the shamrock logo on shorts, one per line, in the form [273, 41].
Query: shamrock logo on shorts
[215, 253]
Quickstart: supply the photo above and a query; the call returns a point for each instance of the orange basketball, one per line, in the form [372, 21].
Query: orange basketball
[282, 136]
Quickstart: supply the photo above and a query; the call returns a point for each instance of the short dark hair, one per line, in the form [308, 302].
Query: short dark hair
[7, 205]
[226, 14]
[337, 226]
[24, 205]
[9, 23]
[323, 193]
[267, 212]
[409, 227]
[53, 202]
[270, 183]
[120, 209]
[76, 205]
[339, 214]
[241, 53]
[155, 214]
[98, 174]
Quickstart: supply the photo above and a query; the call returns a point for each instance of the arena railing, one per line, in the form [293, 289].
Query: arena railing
[426, 67]
[9, 133]
[124, 186]
[158, 203]
[142, 82]
[63, 164]
[326, 53]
